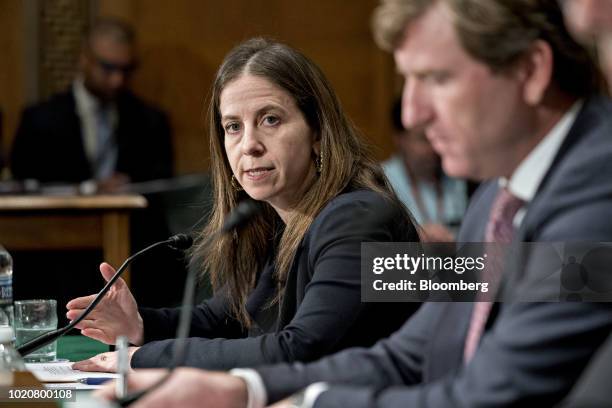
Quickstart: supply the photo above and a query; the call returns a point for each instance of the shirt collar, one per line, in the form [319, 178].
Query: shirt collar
[85, 100]
[528, 176]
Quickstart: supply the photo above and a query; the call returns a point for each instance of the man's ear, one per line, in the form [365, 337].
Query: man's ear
[536, 70]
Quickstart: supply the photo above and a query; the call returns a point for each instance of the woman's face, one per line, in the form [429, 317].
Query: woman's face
[268, 143]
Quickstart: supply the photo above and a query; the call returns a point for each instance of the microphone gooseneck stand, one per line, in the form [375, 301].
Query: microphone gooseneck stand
[179, 241]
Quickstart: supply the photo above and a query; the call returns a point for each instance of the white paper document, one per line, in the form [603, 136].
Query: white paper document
[58, 372]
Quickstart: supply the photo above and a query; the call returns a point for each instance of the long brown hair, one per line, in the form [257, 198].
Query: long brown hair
[233, 261]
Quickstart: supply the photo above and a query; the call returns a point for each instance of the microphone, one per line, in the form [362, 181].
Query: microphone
[240, 215]
[179, 242]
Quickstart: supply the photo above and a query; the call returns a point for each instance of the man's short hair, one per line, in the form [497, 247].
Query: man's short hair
[498, 33]
[110, 27]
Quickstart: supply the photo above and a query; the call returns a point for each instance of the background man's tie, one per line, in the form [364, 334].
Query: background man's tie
[104, 164]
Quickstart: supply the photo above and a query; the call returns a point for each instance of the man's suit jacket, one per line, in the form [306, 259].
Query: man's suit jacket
[593, 388]
[49, 147]
[321, 311]
[530, 352]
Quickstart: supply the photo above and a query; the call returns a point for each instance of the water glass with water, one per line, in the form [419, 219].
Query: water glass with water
[33, 318]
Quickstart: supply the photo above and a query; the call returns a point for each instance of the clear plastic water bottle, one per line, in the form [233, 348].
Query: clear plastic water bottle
[6, 288]
[10, 360]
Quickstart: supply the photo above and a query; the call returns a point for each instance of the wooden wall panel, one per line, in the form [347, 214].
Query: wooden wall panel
[182, 43]
[12, 58]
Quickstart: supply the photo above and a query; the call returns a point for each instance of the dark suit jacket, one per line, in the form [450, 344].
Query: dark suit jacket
[49, 147]
[321, 311]
[531, 352]
[593, 388]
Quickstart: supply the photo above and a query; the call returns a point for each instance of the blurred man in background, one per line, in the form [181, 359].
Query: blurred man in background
[437, 202]
[97, 129]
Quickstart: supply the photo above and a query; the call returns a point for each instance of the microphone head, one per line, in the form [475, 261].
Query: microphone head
[241, 215]
[180, 241]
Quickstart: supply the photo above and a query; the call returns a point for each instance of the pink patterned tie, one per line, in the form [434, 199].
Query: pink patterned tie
[499, 230]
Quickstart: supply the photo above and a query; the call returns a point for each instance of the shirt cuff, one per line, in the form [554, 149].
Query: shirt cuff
[312, 392]
[256, 391]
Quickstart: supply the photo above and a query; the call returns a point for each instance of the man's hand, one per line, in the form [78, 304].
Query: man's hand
[186, 387]
[114, 184]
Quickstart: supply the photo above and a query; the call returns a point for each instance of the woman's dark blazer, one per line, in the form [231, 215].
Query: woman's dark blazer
[321, 311]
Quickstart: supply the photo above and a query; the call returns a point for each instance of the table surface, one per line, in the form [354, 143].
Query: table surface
[73, 348]
[42, 202]
[47, 223]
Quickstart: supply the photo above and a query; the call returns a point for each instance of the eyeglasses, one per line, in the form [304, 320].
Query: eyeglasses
[109, 67]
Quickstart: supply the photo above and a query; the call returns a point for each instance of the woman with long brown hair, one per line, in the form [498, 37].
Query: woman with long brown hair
[287, 286]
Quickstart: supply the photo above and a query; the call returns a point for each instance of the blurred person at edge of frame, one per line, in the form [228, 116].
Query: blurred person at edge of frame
[591, 23]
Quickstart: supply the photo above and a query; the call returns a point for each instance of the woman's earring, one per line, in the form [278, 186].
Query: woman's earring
[319, 163]
[237, 187]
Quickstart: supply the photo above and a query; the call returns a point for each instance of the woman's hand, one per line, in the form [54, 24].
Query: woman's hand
[105, 362]
[115, 315]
